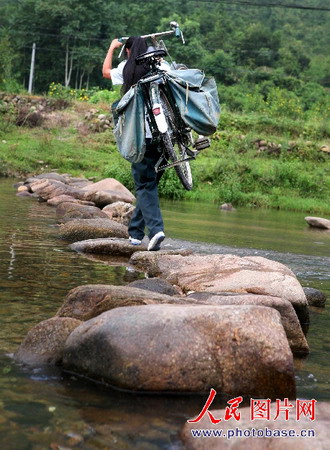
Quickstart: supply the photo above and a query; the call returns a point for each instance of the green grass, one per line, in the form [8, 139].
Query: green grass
[231, 170]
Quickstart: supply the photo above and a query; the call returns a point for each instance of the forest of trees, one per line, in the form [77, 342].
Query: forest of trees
[240, 43]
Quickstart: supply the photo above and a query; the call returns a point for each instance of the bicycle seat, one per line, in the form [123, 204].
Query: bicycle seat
[148, 56]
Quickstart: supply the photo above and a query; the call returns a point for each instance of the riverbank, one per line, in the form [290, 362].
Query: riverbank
[254, 160]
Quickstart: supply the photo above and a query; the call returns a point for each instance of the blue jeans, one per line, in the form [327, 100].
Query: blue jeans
[147, 211]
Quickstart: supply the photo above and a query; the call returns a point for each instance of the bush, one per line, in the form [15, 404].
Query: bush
[105, 96]
[57, 90]
[11, 87]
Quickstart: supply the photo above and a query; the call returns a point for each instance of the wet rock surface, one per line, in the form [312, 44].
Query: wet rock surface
[47, 189]
[67, 211]
[156, 285]
[227, 273]
[315, 297]
[55, 201]
[318, 222]
[44, 343]
[290, 322]
[82, 229]
[86, 302]
[110, 246]
[186, 348]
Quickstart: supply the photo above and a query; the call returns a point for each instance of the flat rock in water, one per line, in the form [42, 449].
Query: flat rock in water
[318, 222]
[156, 285]
[47, 189]
[67, 211]
[227, 273]
[147, 261]
[86, 302]
[239, 435]
[290, 322]
[186, 348]
[49, 176]
[55, 201]
[315, 297]
[107, 246]
[44, 343]
[82, 229]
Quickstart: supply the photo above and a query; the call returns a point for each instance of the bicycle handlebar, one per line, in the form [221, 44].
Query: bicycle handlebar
[175, 30]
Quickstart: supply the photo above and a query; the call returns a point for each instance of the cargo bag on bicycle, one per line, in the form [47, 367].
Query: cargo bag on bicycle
[130, 125]
[197, 99]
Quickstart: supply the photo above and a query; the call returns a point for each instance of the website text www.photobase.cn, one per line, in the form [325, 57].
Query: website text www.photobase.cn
[260, 409]
[265, 432]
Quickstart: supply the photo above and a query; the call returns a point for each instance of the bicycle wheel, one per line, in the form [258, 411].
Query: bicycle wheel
[174, 149]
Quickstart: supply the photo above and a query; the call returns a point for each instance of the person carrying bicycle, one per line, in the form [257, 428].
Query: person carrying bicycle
[147, 212]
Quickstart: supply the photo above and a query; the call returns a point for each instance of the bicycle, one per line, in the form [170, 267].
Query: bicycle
[163, 116]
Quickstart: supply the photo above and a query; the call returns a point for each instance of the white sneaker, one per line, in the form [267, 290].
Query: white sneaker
[155, 242]
[134, 241]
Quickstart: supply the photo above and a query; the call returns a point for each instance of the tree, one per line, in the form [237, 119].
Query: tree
[6, 56]
[221, 65]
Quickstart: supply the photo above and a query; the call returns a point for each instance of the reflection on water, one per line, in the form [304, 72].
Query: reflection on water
[273, 230]
[45, 408]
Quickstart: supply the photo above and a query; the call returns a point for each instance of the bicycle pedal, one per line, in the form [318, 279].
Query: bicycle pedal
[202, 143]
[192, 153]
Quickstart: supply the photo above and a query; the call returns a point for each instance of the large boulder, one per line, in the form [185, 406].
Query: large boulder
[186, 348]
[109, 184]
[259, 434]
[67, 211]
[82, 229]
[44, 343]
[120, 212]
[107, 246]
[290, 322]
[91, 300]
[227, 273]
[318, 222]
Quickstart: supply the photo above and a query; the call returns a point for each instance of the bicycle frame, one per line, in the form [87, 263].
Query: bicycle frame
[151, 85]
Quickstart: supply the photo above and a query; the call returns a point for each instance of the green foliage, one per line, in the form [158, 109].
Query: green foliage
[105, 96]
[6, 57]
[170, 186]
[121, 171]
[57, 90]
[221, 65]
[7, 118]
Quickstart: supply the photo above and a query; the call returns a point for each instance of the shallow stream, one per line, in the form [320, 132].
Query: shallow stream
[41, 409]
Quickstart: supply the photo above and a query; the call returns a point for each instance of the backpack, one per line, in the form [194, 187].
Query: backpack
[197, 99]
[129, 131]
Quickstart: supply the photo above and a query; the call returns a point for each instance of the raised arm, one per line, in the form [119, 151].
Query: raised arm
[107, 64]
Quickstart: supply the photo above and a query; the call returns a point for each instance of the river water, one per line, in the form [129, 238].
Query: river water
[48, 409]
